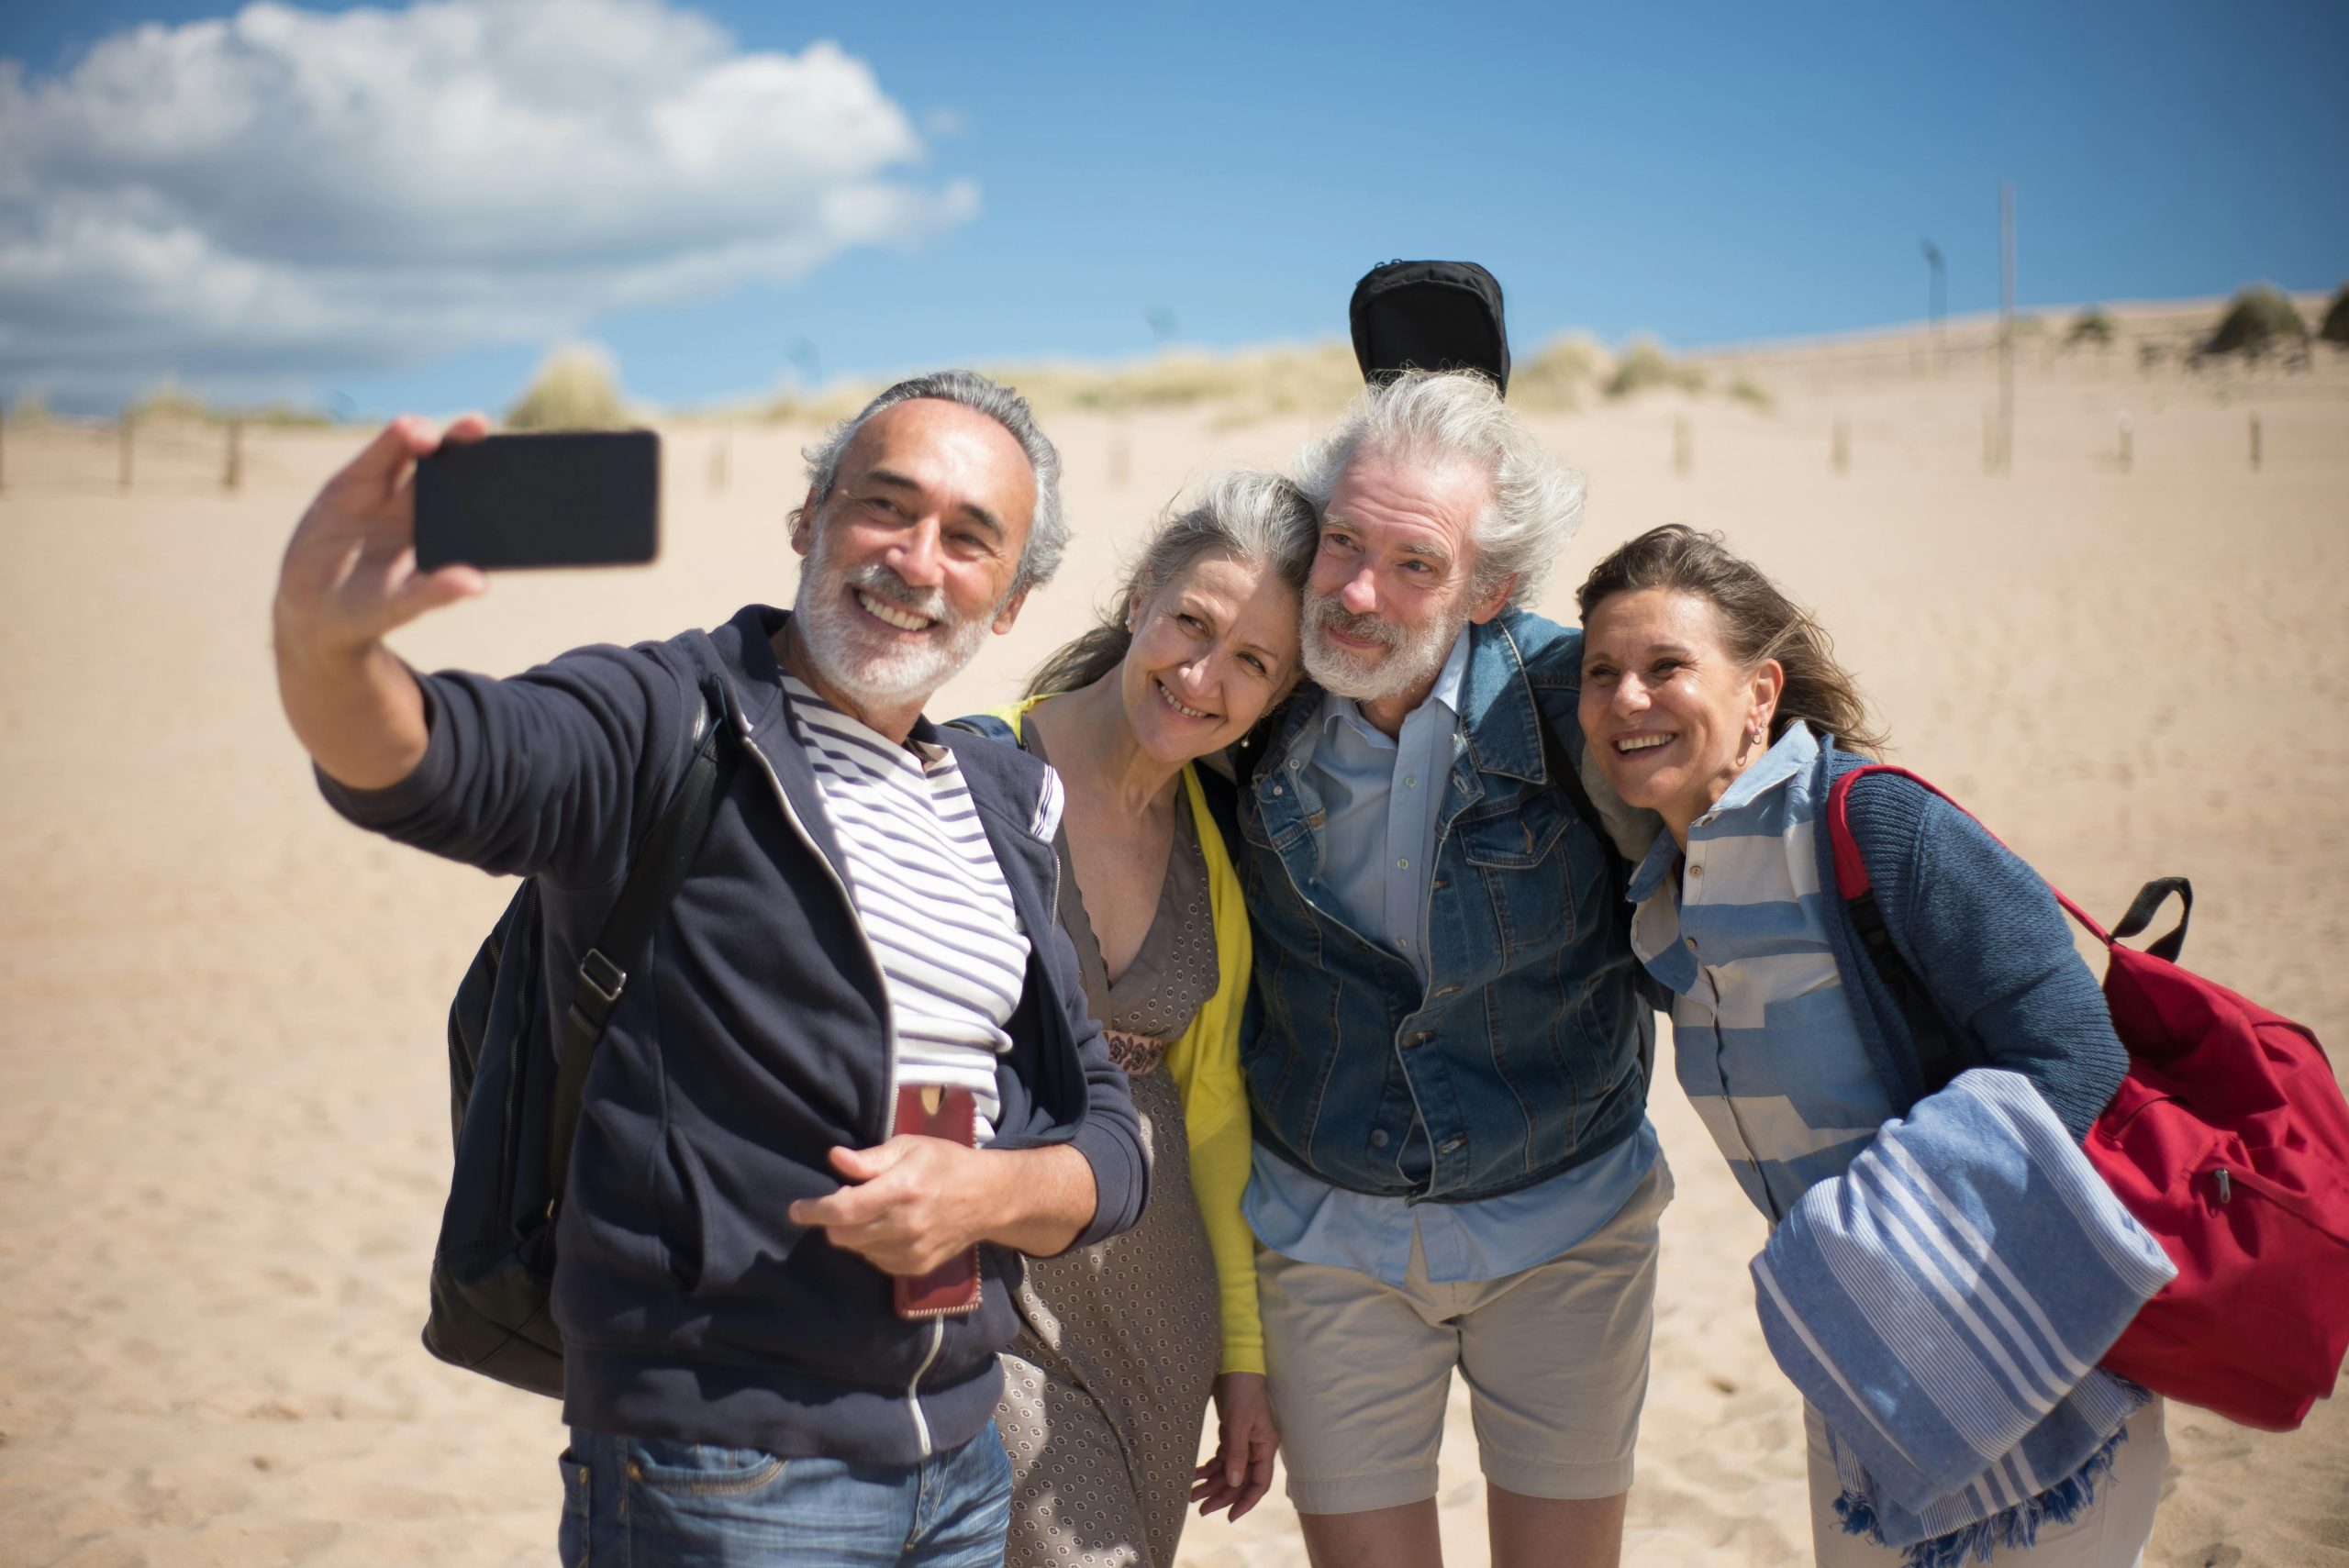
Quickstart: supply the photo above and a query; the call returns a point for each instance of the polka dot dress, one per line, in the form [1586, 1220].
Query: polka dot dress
[1106, 1388]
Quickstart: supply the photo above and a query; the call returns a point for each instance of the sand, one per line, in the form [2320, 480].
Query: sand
[223, 1133]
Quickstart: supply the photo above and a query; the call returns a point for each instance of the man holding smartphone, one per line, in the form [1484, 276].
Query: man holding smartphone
[869, 926]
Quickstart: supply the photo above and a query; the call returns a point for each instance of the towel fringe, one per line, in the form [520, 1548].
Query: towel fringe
[2017, 1528]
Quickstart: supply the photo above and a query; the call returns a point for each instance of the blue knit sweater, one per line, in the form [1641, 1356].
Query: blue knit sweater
[1980, 929]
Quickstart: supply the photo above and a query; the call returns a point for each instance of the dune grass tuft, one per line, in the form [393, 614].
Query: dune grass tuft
[2259, 320]
[1558, 376]
[2336, 318]
[576, 388]
[1645, 367]
[2092, 327]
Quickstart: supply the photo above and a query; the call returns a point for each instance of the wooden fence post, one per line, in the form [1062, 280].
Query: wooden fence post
[719, 457]
[123, 425]
[2254, 441]
[1684, 445]
[232, 476]
[2128, 444]
[1841, 448]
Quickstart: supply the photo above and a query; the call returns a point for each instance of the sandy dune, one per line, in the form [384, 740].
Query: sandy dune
[222, 1104]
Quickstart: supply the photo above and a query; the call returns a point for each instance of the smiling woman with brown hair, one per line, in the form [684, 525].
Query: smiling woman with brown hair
[1118, 1349]
[1711, 698]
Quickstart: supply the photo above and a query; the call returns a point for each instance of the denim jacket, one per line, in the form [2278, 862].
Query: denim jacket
[1523, 1055]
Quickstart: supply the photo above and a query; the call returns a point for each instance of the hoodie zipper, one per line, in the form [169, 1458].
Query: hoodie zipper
[913, 1385]
[848, 900]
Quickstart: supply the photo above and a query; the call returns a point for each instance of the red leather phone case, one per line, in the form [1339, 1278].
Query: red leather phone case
[952, 1288]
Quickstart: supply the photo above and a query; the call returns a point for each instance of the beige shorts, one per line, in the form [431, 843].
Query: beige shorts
[1555, 1357]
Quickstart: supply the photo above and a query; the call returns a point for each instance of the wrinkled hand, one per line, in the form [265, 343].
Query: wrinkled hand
[912, 1203]
[349, 576]
[1240, 1472]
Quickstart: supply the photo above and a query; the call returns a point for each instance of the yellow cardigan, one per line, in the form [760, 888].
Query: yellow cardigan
[1203, 1062]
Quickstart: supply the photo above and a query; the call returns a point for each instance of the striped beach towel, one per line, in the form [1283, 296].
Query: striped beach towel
[1944, 1303]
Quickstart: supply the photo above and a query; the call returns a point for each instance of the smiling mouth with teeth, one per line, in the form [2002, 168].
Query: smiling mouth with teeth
[889, 615]
[1169, 698]
[1642, 743]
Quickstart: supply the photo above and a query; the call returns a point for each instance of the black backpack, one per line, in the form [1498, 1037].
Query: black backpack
[1436, 315]
[514, 1105]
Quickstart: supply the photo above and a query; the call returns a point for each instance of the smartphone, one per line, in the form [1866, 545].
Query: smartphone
[572, 498]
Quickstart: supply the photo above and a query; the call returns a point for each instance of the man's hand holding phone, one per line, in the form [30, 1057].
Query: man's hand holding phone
[349, 579]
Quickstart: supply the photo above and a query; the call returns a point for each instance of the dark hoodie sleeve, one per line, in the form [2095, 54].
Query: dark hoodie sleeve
[552, 773]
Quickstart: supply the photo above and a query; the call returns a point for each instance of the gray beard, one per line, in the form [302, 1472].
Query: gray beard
[836, 641]
[1412, 657]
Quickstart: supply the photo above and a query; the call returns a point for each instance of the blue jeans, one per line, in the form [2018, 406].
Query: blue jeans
[659, 1503]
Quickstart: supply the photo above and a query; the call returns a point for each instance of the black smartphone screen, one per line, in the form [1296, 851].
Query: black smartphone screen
[578, 498]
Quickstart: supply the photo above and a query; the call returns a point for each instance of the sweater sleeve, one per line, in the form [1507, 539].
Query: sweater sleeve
[552, 772]
[1995, 953]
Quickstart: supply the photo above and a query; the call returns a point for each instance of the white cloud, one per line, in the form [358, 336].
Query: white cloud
[282, 193]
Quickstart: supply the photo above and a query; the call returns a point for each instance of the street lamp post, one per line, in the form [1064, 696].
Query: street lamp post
[1936, 297]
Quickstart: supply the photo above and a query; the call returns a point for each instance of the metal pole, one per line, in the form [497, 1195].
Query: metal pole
[2006, 328]
[2254, 441]
[233, 475]
[1936, 298]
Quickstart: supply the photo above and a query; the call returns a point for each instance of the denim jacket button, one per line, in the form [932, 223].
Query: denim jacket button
[1450, 1146]
[1378, 1139]
[1419, 1038]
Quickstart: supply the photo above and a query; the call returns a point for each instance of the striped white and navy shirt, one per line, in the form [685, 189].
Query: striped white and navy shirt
[1763, 1033]
[929, 894]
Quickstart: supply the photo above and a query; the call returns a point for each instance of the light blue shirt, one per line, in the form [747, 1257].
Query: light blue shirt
[1762, 1036]
[1381, 798]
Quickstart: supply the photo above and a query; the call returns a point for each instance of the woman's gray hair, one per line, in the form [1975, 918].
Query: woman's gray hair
[1047, 530]
[1261, 519]
[1442, 418]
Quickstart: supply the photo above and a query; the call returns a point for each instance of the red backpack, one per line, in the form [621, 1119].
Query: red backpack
[2228, 1140]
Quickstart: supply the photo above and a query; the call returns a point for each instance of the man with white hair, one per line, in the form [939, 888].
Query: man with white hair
[1447, 1052]
[869, 918]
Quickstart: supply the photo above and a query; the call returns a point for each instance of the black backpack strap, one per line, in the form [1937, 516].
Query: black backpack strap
[661, 864]
[2147, 903]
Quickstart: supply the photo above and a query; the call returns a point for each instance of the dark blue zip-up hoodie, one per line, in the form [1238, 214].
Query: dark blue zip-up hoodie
[690, 1307]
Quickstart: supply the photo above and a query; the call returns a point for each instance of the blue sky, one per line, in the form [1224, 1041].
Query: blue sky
[1706, 173]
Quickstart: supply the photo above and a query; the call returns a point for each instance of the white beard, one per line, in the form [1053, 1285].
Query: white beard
[1412, 657]
[873, 669]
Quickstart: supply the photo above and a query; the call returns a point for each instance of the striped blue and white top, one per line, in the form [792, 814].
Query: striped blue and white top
[929, 894]
[1762, 1032]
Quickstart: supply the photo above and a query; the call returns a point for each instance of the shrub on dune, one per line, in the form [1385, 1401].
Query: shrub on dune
[577, 388]
[2336, 318]
[1645, 366]
[2091, 327]
[2259, 320]
[1557, 377]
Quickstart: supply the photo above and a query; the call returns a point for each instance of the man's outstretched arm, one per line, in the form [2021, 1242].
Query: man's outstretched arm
[348, 580]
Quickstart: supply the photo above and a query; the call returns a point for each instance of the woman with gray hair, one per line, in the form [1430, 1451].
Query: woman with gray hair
[1122, 1345]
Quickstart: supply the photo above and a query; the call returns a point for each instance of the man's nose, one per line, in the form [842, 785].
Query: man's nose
[917, 556]
[1360, 594]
